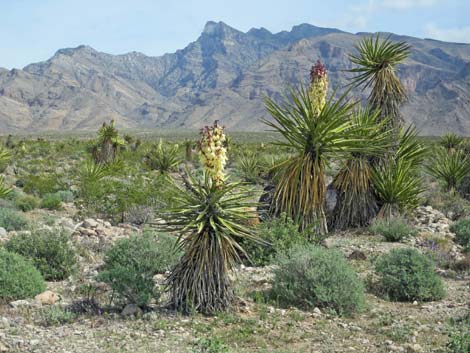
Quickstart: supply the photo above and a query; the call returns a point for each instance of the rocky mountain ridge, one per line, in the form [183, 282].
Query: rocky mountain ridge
[223, 75]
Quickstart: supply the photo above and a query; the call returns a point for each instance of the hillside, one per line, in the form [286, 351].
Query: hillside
[223, 75]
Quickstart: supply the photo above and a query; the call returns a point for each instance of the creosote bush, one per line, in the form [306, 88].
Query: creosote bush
[278, 235]
[26, 203]
[394, 229]
[49, 250]
[55, 316]
[51, 202]
[131, 264]
[462, 232]
[19, 279]
[309, 276]
[12, 220]
[408, 275]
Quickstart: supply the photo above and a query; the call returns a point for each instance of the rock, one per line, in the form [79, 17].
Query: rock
[4, 323]
[18, 303]
[131, 310]
[89, 223]
[357, 255]
[47, 298]
[317, 311]
[4, 347]
[67, 224]
[3, 232]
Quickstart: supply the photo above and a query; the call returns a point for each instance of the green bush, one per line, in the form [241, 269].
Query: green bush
[408, 275]
[462, 232]
[65, 195]
[131, 264]
[26, 203]
[50, 252]
[51, 202]
[393, 230]
[459, 335]
[279, 235]
[56, 316]
[12, 220]
[310, 276]
[41, 184]
[18, 277]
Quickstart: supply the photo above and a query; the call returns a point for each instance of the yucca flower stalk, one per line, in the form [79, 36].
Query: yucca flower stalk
[376, 61]
[356, 203]
[318, 87]
[213, 153]
[211, 217]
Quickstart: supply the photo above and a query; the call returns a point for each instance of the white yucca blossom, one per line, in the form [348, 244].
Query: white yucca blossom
[318, 86]
[213, 154]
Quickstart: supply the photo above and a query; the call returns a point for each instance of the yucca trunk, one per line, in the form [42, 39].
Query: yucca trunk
[356, 203]
[301, 193]
[200, 281]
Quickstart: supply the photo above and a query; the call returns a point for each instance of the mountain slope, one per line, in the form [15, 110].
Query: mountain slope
[223, 75]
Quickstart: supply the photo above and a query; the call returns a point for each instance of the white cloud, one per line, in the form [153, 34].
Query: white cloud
[458, 34]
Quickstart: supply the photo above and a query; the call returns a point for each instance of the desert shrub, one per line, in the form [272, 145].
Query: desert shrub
[113, 198]
[41, 184]
[131, 264]
[19, 279]
[49, 250]
[452, 205]
[51, 202]
[12, 220]
[394, 229]
[65, 195]
[26, 203]
[310, 276]
[459, 335]
[55, 316]
[462, 232]
[278, 235]
[210, 345]
[407, 275]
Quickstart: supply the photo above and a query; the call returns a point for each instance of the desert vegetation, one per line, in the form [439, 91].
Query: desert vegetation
[341, 230]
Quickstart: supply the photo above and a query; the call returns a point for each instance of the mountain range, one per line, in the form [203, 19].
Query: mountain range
[222, 75]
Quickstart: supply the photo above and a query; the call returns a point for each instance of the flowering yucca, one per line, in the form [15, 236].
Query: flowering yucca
[213, 154]
[318, 86]
[211, 216]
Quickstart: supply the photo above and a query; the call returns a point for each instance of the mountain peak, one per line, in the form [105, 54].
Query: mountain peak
[217, 28]
[82, 49]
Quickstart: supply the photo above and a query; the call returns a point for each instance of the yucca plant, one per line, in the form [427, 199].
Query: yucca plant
[376, 61]
[211, 217]
[249, 166]
[108, 144]
[5, 157]
[396, 179]
[163, 158]
[451, 142]
[449, 168]
[210, 221]
[317, 138]
[356, 202]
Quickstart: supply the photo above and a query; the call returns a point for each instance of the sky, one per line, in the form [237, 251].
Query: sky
[33, 30]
